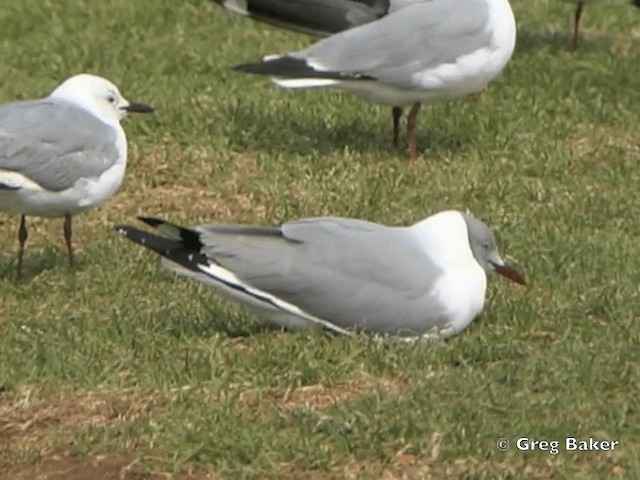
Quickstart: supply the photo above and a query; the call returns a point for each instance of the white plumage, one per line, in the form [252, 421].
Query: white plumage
[63, 154]
[341, 274]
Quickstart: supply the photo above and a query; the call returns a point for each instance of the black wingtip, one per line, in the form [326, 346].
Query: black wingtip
[291, 67]
[123, 229]
[151, 221]
[258, 68]
[135, 234]
[175, 250]
[190, 237]
[164, 246]
[280, 66]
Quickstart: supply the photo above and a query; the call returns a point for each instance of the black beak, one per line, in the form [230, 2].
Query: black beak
[509, 272]
[138, 108]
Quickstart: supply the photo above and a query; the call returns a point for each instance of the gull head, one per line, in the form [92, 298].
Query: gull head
[483, 246]
[99, 96]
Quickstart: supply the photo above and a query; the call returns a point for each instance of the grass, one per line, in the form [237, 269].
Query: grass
[117, 366]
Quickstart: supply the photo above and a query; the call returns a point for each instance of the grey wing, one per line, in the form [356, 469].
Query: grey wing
[349, 272]
[54, 144]
[416, 35]
[315, 17]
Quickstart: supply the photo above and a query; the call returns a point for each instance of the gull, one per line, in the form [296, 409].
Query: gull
[63, 154]
[402, 53]
[578, 16]
[341, 274]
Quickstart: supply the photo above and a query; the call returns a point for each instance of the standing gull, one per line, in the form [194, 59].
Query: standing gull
[420, 51]
[341, 274]
[63, 154]
[578, 15]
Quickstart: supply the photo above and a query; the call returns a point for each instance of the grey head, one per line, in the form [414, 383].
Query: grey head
[483, 245]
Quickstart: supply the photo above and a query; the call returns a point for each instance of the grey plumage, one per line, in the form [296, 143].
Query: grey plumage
[430, 34]
[417, 51]
[64, 154]
[35, 142]
[341, 274]
[340, 269]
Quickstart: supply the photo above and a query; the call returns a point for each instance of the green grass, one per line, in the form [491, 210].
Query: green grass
[117, 358]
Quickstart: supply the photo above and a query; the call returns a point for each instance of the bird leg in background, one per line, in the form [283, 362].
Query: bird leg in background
[412, 119]
[397, 113]
[22, 239]
[576, 25]
[67, 238]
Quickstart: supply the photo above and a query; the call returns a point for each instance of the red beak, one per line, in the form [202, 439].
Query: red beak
[511, 273]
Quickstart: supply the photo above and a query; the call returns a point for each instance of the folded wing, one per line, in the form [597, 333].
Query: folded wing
[349, 272]
[54, 144]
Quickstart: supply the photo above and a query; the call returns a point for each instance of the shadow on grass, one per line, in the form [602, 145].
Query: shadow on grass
[558, 42]
[232, 328]
[288, 132]
[216, 322]
[34, 264]
[553, 41]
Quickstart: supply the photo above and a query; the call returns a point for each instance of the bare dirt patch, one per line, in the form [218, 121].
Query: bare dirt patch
[27, 420]
[102, 467]
[35, 423]
[31, 422]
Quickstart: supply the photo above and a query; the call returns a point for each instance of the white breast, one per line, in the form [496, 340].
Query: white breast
[461, 287]
[461, 292]
[94, 192]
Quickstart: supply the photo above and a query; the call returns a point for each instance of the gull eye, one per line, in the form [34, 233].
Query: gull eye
[111, 98]
[485, 246]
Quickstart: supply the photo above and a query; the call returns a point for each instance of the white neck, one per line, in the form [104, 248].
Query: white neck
[444, 238]
[83, 101]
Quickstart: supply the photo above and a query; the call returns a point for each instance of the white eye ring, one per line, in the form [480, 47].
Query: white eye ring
[111, 99]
